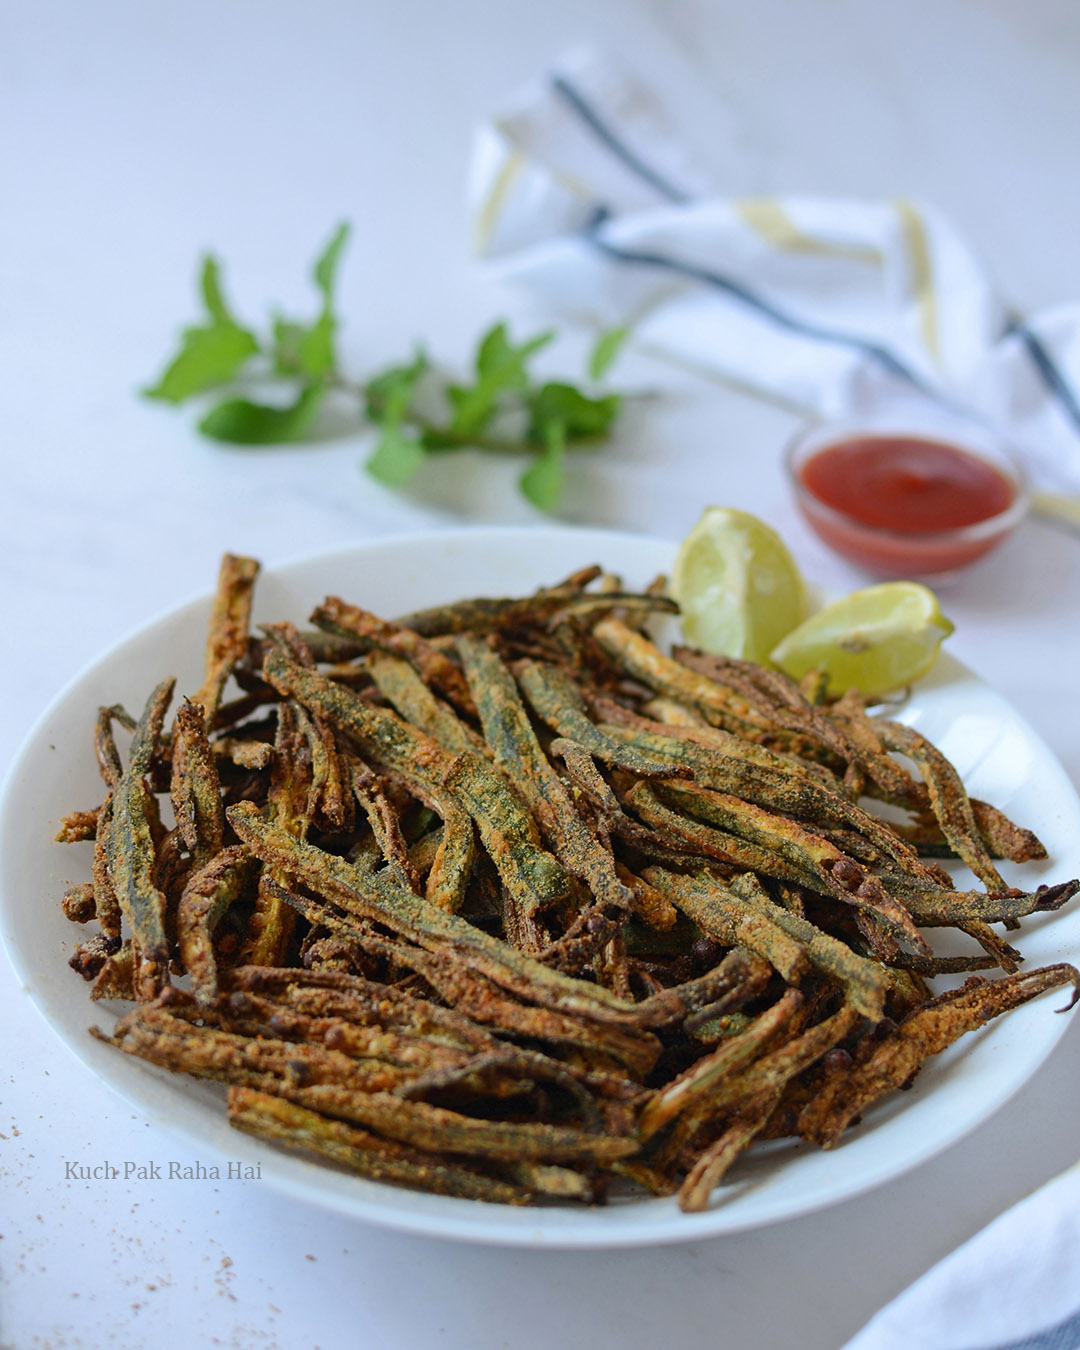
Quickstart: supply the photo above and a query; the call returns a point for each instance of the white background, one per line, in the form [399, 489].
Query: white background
[135, 135]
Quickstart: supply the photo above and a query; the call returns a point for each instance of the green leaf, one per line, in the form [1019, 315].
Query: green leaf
[606, 350]
[210, 354]
[210, 287]
[326, 264]
[578, 415]
[542, 481]
[387, 395]
[396, 456]
[501, 369]
[241, 422]
[315, 347]
[497, 355]
[207, 357]
[288, 335]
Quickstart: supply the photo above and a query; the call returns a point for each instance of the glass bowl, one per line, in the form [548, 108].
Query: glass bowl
[885, 552]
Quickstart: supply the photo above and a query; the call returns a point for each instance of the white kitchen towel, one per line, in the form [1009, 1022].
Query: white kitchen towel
[1014, 1286]
[582, 193]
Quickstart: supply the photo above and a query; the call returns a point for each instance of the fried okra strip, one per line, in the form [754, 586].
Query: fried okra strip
[684, 1092]
[290, 803]
[715, 1162]
[116, 978]
[722, 916]
[434, 666]
[421, 1055]
[244, 754]
[399, 683]
[649, 905]
[810, 853]
[360, 1151]
[474, 997]
[484, 615]
[373, 898]
[775, 782]
[130, 851]
[532, 876]
[948, 799]
[556, 700]
[108, 757]
[510, 735]
[934, 907]
[776, 847]
[436, 1129]
[205, 898]
[1000, 836]
[777, 698]
[359, 1000]
[926, 1032]
[156, 1033]
[583, 773]
[453, 847]
[863, 982]
[230, 619]
[752, 1096]
[77, 827]
[371, 795]
[447, 882]
[196, 788]
[106, 905]
[644, 661]
[330, 783]
[742, 975]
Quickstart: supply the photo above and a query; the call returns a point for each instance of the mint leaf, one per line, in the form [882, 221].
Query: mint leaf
[326, 264]
[542, 481]
[606, 350]
[207, 357]
[288, 335]
[497, 355]
[387, 395]
[210, 287]
[209, 354]
[396, 456]
[578, 415]
[500, 369]
[241, 422]
[315, 347]
[303, 349]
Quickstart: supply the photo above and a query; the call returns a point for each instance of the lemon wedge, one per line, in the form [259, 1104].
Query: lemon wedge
[737, 585]
[873, 640]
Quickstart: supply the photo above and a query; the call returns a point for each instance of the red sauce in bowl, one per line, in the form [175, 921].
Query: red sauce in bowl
[904, 505]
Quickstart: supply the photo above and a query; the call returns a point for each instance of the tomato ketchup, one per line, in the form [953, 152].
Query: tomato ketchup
[903, 504]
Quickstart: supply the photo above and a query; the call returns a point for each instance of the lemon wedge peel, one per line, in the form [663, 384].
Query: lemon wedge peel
[875, 640]
[739, 589]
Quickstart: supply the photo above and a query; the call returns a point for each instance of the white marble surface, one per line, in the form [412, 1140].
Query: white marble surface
[135, 135]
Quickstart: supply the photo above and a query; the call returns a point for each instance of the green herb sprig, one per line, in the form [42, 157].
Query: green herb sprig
[417, 412]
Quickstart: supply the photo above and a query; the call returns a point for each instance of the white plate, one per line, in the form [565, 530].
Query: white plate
[1000, 757]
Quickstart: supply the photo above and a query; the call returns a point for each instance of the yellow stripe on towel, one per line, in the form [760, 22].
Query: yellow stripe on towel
[922, 274]
[489, 213]
[768, 218]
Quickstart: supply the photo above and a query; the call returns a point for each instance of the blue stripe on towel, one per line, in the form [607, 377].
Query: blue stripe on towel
[1051, 376]
[618, 147]
[752, 300]
[1065, 1336]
